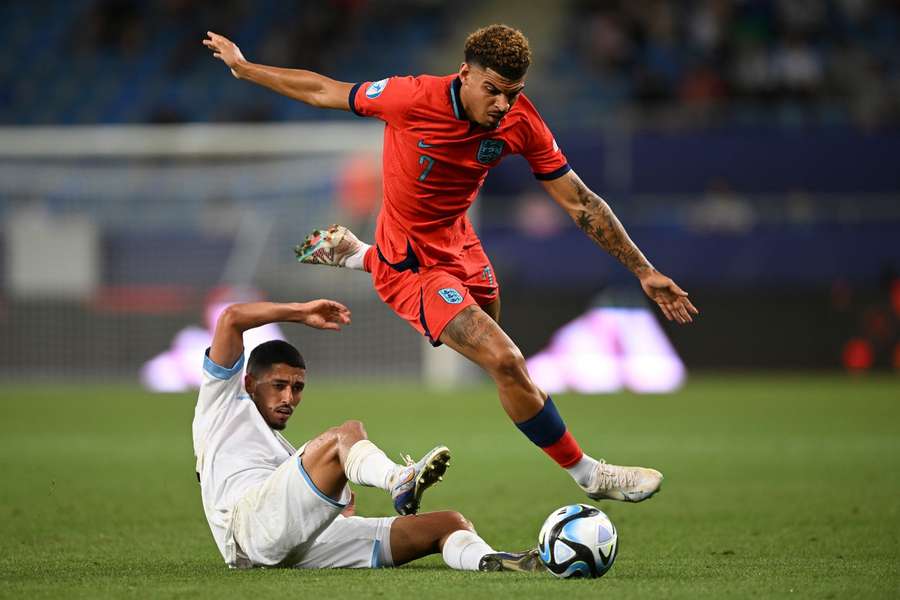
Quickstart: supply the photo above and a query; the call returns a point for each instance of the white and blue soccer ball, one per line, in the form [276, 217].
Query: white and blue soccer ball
[578, 540]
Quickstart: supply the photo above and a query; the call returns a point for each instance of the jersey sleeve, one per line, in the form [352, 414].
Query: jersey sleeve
[388, 99]
[542, 153]
[220, 384]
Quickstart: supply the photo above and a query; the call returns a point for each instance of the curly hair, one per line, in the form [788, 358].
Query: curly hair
[500, 48]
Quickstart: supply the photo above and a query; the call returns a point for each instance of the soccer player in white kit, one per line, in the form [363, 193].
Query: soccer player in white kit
[271, 505]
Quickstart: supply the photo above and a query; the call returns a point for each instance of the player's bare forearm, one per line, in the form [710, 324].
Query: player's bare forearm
[594, 217]
[305, 86]
[241, 317]
[228, 338]
[597, 220]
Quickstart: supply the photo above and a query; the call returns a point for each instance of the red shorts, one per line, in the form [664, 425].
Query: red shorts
[429, 297]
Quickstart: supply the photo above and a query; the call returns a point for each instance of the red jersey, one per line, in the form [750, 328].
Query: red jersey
[435, 161]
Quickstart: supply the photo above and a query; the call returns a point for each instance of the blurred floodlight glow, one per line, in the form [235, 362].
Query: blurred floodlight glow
[607, 350]
[546, 373]
[585, 353]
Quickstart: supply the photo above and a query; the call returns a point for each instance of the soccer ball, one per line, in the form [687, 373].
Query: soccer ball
[578, 541]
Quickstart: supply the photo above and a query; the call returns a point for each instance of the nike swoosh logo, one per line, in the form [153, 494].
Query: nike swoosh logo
[423, 145]
[409, 477]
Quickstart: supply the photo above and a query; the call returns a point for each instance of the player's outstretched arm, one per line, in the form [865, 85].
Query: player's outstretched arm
[305, 86]
[228, 338]
[594, 216]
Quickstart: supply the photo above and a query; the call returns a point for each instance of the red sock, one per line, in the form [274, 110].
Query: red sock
[565, 451]
[547, 431]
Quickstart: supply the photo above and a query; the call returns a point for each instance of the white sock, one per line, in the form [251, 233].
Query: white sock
[581, 471]
[356, 260]
[463, 550]
[367, 465]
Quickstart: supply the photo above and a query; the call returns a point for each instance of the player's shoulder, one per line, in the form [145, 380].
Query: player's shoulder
[423, 82]
[433, 81]
[407, 88]
[426, 96]
[220, 383]
[526, 108]
[222, 373]
[430, 87]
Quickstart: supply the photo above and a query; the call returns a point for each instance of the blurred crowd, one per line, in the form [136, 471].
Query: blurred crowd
[127, 61]
[825, 59]
[692, 62]
[312, 34]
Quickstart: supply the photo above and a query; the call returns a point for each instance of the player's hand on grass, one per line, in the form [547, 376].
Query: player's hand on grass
[324, 314]
[672, 300]
[225, 50]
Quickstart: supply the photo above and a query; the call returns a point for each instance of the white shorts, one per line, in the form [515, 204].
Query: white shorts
[288, 522]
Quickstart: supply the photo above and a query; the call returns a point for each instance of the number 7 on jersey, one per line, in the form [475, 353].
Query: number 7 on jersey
[426, 160]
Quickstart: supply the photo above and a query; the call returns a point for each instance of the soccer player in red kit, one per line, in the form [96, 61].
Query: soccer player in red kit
[441, 136]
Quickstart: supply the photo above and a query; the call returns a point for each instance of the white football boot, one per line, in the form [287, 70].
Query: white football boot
[416, 477]
[331, 247]
[629, 484]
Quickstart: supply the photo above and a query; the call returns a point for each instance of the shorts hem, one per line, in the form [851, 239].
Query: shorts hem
[313, 487]
[435, 338]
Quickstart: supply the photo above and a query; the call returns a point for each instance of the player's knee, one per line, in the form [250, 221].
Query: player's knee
[507, 362]
[353, 429]
[450, 521]
[323, 447]
[348, 433]
[455, 521]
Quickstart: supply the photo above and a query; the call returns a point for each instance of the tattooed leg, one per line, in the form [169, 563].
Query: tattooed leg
[476, 336]
[479, 338]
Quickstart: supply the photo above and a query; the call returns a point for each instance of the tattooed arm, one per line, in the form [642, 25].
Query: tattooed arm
[594, 216]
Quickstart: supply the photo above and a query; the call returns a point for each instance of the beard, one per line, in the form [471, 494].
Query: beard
[273, 418]
[276, 423]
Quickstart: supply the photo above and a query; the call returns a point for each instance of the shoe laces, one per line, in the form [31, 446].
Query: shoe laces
[346, 247]
[408, 462]
[611, 476]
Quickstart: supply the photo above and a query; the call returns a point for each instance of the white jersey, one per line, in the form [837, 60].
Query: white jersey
[236, 450]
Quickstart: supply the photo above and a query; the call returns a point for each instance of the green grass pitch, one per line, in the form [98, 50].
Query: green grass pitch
[775, 486]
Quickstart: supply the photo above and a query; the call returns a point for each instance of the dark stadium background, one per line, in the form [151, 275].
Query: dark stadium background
[749, 147]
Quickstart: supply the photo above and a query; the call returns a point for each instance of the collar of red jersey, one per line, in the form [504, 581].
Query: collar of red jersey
[455, 100]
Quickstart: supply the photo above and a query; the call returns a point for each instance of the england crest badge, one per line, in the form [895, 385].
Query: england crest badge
[450, 296]
[489, 151]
